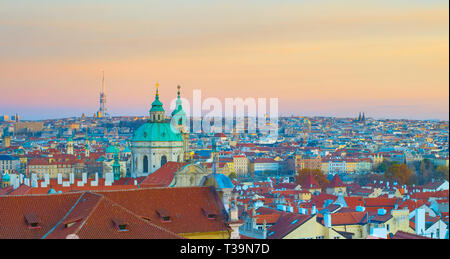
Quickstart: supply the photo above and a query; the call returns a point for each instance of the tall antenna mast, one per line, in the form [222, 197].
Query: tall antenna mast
[102, 110]
[103, 82]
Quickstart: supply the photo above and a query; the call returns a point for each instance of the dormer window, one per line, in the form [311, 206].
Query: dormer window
[70, 222]
[210, 214]
[120, 225]
[163, 215]
[32, 221]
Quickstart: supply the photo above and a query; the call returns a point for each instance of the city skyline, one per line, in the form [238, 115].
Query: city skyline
[389, 60]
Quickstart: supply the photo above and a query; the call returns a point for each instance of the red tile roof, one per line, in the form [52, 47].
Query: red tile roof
[163, 176]
[348, 218]
[380, 202]
[336, 182]
[185, 206]
[310, 183]
[286, 224]
[405, 235]
[92, 215]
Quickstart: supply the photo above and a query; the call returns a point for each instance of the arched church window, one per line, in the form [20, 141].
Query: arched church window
[159, 117]
[180, 121]
[163, 160]
[145, 164]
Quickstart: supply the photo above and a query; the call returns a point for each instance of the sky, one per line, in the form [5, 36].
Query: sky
[389, 59]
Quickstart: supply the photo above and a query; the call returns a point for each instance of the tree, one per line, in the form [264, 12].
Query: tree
[400, 173]
[426, 171]
[320, 177]
[380, 168]
[442, 172]
[232, 175]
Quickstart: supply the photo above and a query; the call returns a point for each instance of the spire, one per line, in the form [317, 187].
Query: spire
[214, 153]
[179, 105]
[157, 110]
[116, 165]
[103, 81]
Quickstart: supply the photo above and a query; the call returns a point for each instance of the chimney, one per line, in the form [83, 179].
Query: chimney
[381, 212]
[34, 182]
[84, 178]
[327, 220]
[59, 177]
[71, 178]
[313, 209]
[420, 221]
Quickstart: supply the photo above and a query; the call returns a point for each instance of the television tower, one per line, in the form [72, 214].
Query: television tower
[102, 110]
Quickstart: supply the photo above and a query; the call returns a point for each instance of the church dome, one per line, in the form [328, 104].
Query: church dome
[157, 132]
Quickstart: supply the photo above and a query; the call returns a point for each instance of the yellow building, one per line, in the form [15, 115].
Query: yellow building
[396, 220]
[377, 159]
[350, 165]
[241, 165]
[325, 167]
[304, 196]
[350, 222]
[310, 162]
[294, 226]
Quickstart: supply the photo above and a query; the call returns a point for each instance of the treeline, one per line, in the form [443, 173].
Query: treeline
[417, 172]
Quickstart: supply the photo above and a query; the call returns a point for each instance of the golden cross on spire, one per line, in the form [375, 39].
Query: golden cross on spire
[157, 87]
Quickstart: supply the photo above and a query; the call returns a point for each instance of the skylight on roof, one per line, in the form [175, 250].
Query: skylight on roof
[295, 221]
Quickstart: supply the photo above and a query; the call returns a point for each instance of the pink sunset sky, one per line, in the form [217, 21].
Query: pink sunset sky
[388, 59]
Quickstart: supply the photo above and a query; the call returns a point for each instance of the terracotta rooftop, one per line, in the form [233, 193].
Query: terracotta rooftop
[163, 176]
[113, 214]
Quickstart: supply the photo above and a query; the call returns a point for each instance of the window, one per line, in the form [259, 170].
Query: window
[163, 215]
[210, 214]
[163, 160]
[32, 221]
[120, 225]
[145, 165]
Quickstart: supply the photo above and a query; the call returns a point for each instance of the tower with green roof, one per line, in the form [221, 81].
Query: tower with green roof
[116, 166]
[179, 120]
[156, 142]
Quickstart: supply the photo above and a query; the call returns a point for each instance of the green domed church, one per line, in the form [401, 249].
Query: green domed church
[158, 141]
